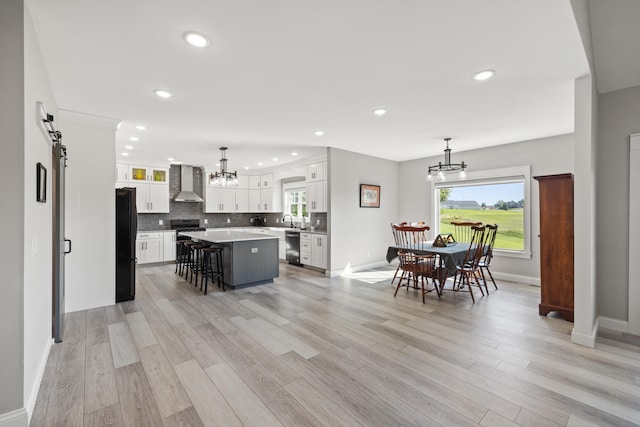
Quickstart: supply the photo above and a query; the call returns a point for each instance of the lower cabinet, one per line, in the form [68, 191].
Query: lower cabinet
[313, 250]
[169, 243]
[149, 247]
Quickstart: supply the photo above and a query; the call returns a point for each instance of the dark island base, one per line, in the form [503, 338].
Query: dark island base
[250, 263]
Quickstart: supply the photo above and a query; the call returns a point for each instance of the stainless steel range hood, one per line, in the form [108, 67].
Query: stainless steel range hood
[186, 193]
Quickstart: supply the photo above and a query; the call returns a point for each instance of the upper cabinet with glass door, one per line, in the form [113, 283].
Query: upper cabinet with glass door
[156, 175]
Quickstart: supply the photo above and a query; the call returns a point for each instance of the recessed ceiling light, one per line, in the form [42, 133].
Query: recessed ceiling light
[259, 163]
[124, 154]
[318, 133]
[274, 159]
[129, 147]
[197, 39]
[141, 127]
[134, 138]
[484, 75]
[380, 112]
[217, 165]
[171, 159]
[163, 93]
[246, 167]
[294, 154]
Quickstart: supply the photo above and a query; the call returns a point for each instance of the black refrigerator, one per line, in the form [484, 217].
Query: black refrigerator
[126, 229]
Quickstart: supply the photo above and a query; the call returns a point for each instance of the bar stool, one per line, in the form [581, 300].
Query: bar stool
[196, 259]
[212, 267]
[188, 255]
[181, 254]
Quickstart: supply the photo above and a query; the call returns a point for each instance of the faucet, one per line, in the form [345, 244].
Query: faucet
[290, 219]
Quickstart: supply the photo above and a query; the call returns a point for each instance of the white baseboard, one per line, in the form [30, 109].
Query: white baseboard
[33, 396]
[17, 418]
[587, 340]
[528, 280]
[614, 324]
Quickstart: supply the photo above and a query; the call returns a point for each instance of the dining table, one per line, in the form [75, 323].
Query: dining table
[450, 256]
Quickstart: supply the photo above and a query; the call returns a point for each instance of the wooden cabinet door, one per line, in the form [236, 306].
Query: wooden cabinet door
[556, 244]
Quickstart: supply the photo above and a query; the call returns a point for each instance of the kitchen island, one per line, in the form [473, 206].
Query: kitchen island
[248, 259]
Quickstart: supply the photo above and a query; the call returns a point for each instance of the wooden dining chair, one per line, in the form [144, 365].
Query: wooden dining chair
[467, 274]
[416, 268]
[462, 230]
[485, 262]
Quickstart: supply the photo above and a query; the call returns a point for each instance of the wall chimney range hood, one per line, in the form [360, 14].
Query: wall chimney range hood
[186, 193]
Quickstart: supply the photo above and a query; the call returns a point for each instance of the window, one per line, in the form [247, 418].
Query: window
[296, 202]
[491, 197]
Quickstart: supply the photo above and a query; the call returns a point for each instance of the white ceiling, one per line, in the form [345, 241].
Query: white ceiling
[278, 70]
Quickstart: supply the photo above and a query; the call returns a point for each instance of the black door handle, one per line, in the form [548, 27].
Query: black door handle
[69, 251]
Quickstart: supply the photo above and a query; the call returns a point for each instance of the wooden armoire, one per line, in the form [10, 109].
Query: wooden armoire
[556, 244]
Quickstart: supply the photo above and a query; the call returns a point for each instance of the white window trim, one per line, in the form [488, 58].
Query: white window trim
[491, 176]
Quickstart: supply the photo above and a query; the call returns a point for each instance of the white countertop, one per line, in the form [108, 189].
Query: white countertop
[226, 236]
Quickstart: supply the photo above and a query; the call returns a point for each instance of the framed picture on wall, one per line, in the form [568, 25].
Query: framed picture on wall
[41, 183]
[369, 196]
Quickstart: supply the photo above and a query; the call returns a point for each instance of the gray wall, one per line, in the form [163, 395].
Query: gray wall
[618, 117]
[12, 174]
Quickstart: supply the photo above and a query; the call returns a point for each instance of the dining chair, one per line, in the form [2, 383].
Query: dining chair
[485, 262]
[462, 230]
[467, 274]
[415, 267]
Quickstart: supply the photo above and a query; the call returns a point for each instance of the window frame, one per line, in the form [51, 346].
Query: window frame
[297, 186]
[491, 176]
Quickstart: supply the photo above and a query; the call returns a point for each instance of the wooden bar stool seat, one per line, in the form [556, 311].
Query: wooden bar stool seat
[212, 267]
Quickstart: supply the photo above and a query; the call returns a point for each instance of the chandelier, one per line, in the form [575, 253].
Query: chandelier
[442, 168]
[223, 178]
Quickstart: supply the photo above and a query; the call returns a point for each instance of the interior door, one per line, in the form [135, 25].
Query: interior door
[59, 163]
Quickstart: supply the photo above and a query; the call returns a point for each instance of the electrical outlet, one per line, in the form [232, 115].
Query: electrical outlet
[317, 222]
[228, 220]
[277, 220]
[254, 250]
[251, 220]
[160, 222]
[206, 221]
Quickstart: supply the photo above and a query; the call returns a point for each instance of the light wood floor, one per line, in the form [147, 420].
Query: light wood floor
[308, 350]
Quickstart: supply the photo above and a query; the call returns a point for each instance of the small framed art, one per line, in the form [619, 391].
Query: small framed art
[369, 196]
[41, 183]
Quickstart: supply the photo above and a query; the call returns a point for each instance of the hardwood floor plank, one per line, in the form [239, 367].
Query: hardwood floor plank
[140, 330]
[210, 405]
[167, 389]
[136, 399]
[271, 344]
[75, 326]
[46, 386]
[123, 349]
[201, 350]
[226, 347]
[326, 411]
[246, 404]
[185, 418]
[110, 416]
[172, 345]
[66, 402]
[264, 312]
[97, 331]
[193, 317]
[495, 420]
[278, 400]
[172, 315]
[101, 389]
[114, 314]
[300, 347]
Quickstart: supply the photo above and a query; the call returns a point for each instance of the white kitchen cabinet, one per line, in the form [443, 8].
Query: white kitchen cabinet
[169, 246]
[242, 200]
[316, 196]
[151, 198]
[219, 200]
[317, 172]
[266, 181]
[313, 250]
[149, 247]
[319, 251]
[266, 200]
[243, 182]
[254, 201]
[122, 173]
[254, 182]
[153, 174]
